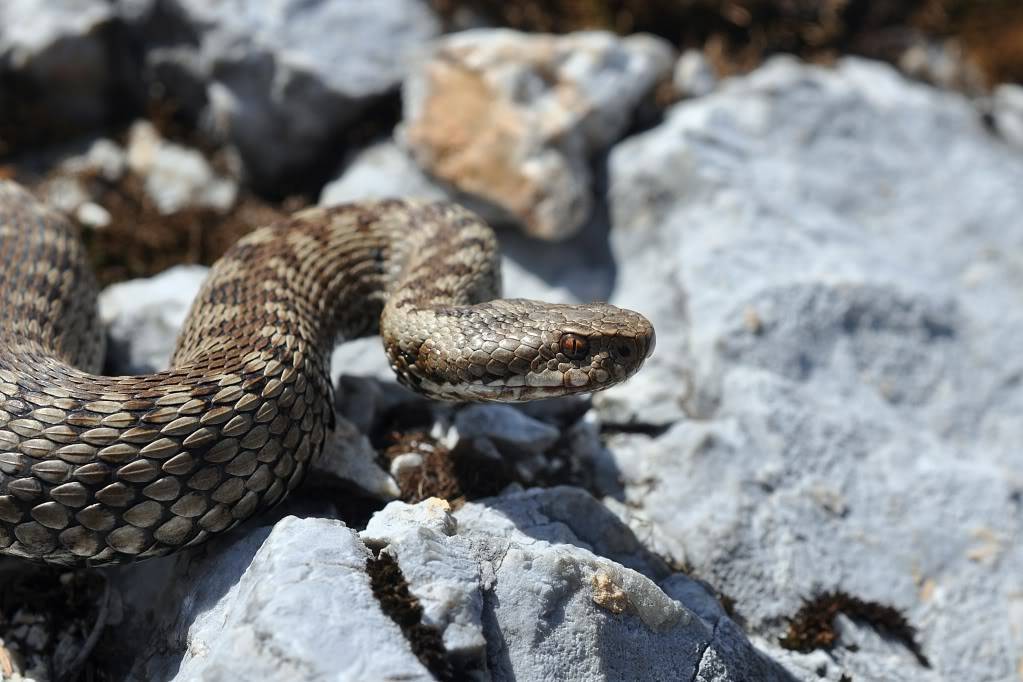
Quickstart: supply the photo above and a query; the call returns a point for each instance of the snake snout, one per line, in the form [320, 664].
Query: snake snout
[637, 332]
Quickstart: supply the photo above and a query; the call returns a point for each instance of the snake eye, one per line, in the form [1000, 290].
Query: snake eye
[574, 346]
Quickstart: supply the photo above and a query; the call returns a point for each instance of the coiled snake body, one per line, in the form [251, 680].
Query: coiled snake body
[97, 469]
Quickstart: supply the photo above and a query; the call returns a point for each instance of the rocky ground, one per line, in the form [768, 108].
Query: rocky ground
[818, 474]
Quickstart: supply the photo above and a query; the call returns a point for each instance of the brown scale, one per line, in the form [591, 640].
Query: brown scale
[98, 469]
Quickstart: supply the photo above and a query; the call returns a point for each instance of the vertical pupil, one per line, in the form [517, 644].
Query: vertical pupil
[573, 346]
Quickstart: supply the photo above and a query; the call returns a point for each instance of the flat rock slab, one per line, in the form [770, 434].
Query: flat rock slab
[832, 260]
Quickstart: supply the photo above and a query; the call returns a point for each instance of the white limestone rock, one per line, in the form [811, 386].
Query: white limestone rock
[837, 363]
[291, 602]
[143, 317]
[382, 170]
[527, 585]
[1006, 108]
[694, 76]
[175, 177]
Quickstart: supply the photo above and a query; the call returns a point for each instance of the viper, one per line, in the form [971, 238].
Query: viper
[105, 469]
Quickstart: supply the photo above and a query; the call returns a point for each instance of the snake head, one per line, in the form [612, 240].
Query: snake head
[516, 350]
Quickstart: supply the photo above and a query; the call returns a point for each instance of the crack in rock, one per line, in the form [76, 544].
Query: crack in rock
[392, 592]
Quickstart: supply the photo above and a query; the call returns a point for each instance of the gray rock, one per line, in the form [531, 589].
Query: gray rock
[511, 578]
[833, 296]
[362, 357]
[74, 187]
[65, 193]
[506, 427]
[706, 168]
[348, 457]
[694, 76]
[93, 216]
[441, 571]
[381, 171]
[104, 158]
[512, 119]
[176, 178]
[143, 317]
[281, 79]
[367, 400]
[519, 587]
[290, 603]
[564, 515]
[503, 438]
[1007, 112]
[59, 62]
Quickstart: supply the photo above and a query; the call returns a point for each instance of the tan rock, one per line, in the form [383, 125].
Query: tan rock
[512, 119]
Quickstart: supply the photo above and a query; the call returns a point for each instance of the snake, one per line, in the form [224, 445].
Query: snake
[101, 469]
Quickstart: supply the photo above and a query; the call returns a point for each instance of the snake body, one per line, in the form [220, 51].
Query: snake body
[97, 469]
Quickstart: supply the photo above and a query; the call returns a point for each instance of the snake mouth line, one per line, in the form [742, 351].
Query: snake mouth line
[515, 389]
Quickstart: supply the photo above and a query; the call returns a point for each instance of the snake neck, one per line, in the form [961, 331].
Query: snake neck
[325, 275]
